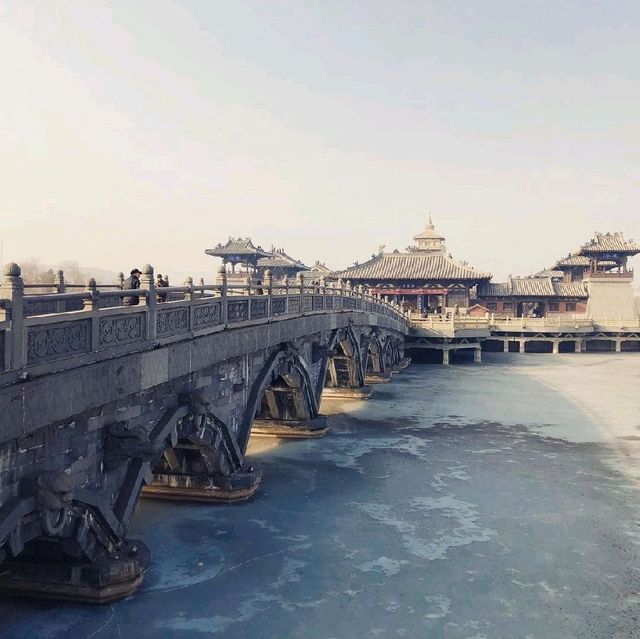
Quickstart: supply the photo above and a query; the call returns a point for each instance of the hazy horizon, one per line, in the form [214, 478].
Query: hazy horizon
[147, 132]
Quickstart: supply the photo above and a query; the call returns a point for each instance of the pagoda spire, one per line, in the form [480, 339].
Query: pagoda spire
[430, 225]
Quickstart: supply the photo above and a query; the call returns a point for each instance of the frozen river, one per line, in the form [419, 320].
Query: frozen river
[498, 501]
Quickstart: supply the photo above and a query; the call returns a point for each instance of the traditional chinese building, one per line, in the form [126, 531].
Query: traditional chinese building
[425, 276]
[240, 254]
[243, 259]
[533, 296]
[568, 287]
[280, 264]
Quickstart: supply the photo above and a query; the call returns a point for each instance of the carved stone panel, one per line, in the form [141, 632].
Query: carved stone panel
[294, 305]
[206, 315]
[317, 302]
[278, 306]
[258, 309]
[328, 302]
[307, 303]
[115, 331]
[237, 311]
[53, 341]
[172, 322]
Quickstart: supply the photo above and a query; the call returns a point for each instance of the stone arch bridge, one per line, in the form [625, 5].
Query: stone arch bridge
[100, 401]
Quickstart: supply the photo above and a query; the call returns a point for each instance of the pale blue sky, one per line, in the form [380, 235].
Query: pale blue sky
[135, 132]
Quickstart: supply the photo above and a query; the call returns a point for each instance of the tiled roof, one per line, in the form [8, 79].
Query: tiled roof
[553, 274]
[570, 289]
[572, 260]
[531, 287]
[238, 247]
[494, 289]
[412, 266]
[320, 267]
[610, 243]
[279, 259]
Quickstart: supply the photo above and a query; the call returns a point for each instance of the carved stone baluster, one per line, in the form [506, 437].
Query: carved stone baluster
[222, 280]
[147, 283]
[13, 289]
[92, 305]
[300, 284]
[59, 283]
[268, 284]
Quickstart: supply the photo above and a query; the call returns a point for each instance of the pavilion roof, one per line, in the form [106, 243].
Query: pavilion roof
[572, 260]
[552, 273]
[412, 266]
[279, 259]
[610, 243]
[532, 287]
[238, 247]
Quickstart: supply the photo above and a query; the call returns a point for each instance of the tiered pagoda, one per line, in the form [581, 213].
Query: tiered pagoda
[425, 277]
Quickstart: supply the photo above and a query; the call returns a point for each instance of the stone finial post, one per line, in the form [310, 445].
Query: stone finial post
[202, 287]
[60, 286]
[58, 281]
[188, 282]
[147, 284]
[90, 303]
[300, 285]
[247, 283]
[12, 289]
[119, 280]
[222, 282]
[268, 281]
[268, 286]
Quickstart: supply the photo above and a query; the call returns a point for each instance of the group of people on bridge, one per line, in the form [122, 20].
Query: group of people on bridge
[133, 283]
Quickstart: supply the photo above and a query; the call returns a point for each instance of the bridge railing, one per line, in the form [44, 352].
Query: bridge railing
[453, 322]
[39, 331]
[571, 322]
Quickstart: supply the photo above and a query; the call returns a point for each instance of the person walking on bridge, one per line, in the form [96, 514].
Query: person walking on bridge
[130, 284]
[161, 283]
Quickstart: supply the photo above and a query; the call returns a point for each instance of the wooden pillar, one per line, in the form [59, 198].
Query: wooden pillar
[477, 355]
[445, 357]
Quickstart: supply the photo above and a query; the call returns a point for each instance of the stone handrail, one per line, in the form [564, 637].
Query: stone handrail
[454, 322]
[571, 322]
[32, 344]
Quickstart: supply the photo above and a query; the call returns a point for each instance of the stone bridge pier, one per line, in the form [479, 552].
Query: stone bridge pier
[165, 410]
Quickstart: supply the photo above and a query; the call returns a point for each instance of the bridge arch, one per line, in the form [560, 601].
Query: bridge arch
[282, 391]
[346, 365]
[376, 349]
